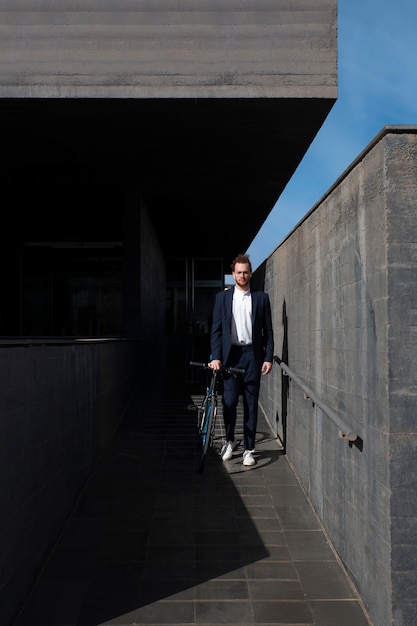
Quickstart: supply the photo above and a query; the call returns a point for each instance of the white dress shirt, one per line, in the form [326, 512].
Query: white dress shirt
[242, 318]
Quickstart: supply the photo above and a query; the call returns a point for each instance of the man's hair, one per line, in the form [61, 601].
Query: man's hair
[241, 258]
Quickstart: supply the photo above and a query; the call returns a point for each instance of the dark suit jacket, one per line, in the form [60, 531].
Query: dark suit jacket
[262, 333]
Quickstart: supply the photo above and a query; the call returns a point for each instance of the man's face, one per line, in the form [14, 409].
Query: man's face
[242, 275]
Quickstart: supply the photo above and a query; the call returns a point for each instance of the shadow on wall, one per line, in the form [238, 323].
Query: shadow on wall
[285, 380]
[258, 282]
[258, 277]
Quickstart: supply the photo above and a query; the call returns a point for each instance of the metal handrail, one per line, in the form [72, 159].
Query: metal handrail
[344, 430]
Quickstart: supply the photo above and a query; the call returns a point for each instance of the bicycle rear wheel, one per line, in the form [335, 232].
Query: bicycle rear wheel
[207, 429]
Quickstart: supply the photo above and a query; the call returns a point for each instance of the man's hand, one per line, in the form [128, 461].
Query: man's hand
[215, 364]
[266, 367]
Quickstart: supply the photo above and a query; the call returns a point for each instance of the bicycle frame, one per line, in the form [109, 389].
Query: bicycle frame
[207, 411]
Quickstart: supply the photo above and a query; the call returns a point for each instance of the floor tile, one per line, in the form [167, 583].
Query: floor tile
[153, 541]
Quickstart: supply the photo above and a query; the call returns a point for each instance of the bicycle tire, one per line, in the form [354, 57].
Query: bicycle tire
[207, 428]
[202, 428]
[201, 414]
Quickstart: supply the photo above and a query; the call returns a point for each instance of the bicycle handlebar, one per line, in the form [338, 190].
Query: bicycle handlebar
[224, 368]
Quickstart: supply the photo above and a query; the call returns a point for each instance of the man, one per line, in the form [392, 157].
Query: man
[242, 336]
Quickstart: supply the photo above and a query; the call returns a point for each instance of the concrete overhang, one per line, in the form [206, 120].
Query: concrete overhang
[209, 170]
[203, 109]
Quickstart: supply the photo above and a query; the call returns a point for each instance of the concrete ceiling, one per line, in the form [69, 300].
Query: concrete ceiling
[210, 170]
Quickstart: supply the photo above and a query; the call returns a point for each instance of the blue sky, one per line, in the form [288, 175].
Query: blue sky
[377, 85]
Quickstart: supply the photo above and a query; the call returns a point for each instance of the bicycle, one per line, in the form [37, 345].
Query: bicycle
[207, 410]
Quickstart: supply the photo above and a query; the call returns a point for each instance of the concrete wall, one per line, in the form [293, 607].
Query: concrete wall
[167, 48]
[60, 402]
[343, 290]
[144, 280]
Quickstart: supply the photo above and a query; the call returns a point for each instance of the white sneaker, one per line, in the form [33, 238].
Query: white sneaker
[248, 458]
[227, 450]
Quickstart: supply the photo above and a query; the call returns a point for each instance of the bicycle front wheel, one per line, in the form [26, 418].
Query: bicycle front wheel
[207, 430]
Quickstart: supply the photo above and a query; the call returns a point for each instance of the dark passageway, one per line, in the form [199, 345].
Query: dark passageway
[152, 541]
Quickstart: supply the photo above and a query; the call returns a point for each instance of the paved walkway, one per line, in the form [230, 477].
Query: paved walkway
[152, 541]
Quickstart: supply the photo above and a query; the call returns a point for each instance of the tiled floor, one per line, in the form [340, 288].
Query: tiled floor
[155, 542]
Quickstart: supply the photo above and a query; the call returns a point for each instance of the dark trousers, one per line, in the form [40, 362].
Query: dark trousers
[247, 385]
